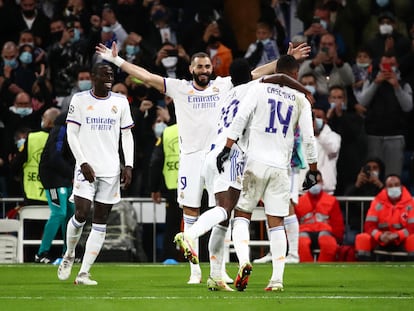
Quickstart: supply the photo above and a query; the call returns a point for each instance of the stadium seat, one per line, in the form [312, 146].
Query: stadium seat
[9, 229]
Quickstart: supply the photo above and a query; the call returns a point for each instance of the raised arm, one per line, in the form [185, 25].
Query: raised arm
[299, 52]
[111, 55]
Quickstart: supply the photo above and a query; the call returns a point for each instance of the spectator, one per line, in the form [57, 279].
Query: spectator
[30, 16]
[264, 49]
[368, 183]
[28, 71]
[65, 57]
[56, 169]
[327, 67]
[26, 162]
[83, 83]
[172, 61]
[9, 64]
[350, 126]
[388, 39]
[39, 54]
[221, 56]
[388, 225]
[321, 100]
[321, 225]
[362, 70]
[328, 144]
[387, 99]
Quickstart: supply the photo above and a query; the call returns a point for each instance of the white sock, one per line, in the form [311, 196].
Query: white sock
[206, 221]
[216, 249]
[73, 233]
[278, 246]
[292, 234]
[188, 223]
[93, 246]
[241, 239]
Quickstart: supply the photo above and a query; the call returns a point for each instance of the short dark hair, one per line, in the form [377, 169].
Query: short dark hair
[97, 67]
[240, 71]
[287, 64]
[200, 55]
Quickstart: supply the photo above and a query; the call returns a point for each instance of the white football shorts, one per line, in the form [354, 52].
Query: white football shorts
[104, 189]
[271, 184]
[191, 183]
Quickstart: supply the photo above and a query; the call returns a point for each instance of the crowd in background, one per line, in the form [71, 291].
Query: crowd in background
[48, 48]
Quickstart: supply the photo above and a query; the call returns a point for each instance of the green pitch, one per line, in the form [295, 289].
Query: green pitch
[157, 287]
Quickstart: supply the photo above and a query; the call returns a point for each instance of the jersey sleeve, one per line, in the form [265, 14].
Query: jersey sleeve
[126, 117]
[74, 113]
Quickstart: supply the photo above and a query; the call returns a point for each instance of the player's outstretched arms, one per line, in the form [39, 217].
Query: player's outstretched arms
[111, 55]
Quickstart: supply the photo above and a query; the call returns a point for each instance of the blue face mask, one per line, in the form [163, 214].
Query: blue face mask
[76, 35]
[20, 142]
[23, 111]
[324, 24]
[131, 49]
[26, 57]
[382, 3]
[159, 128]
[85, 85]
[11, 62]
[265, 41]
[106, 29]
[315, 189]
[319, 123]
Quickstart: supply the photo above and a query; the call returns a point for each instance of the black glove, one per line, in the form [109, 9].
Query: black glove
[222, 157]
[310, 180]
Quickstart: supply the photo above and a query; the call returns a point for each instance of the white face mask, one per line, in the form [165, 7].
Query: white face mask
[169, 61]
[394, 192]
[385, 29]
[310, 88]
[362, 65]
[315, 189]
[319, 123]
[159, 128]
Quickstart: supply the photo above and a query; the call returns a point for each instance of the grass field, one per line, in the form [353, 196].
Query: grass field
[337, 287]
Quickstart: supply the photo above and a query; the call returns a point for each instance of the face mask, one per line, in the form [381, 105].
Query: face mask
[394, 192]
[85, 85]
[159, 128]
[324, 24]
[76, 35]
[385, 29]
[374, 174]
[382, 3]
[315, 189]
[26, 57]
[265, 41]
[26, 43]
[11, 62]
[56, 36]
[394, 69]
[169, 61]
[131, 49]
[311, 88]
[29, 13]
[22, 111]
[42, 125]
[158, 15]
[319, 123]
[362, 65]
[106, 29]
[20, 142]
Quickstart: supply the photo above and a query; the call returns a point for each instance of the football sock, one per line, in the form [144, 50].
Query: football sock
[241, 239]
[93, 246]
[292, 234]
[216, 249]
[73, 234]
[278, 246]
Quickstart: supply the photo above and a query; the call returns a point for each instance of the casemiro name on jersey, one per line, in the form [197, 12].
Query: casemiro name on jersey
[281, 93]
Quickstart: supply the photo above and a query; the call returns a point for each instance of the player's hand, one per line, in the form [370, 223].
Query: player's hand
[300, 52]
[126, 177]
[88, 172]
[310, 180]
[222, 157]
[110, 55]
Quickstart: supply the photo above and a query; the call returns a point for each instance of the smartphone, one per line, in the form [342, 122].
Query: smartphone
[367, 170]
[316, 20]
[172, 52]
[386, 67]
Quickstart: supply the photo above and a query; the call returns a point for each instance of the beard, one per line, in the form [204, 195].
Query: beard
[203, 82]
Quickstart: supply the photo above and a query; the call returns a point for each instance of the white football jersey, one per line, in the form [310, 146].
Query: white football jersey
[228, 111]
[100, 121]
[197, 111]
[274, 112]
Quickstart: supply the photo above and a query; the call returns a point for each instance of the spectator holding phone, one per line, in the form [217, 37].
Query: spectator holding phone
[172, 61]
[388, 99]
[327, 67]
